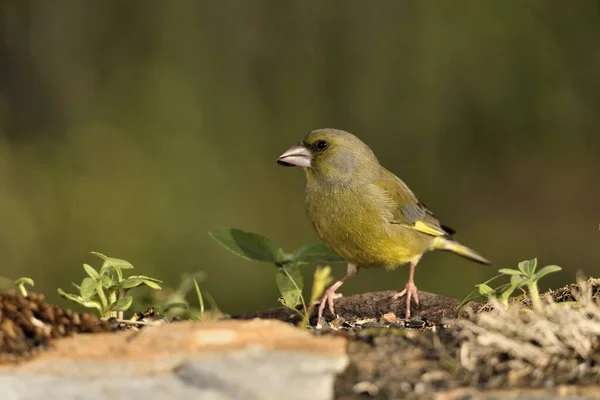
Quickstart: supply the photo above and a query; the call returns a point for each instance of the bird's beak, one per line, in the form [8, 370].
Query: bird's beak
[297, 155]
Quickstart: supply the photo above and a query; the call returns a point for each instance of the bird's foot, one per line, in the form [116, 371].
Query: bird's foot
[411, 294]
[328, 297]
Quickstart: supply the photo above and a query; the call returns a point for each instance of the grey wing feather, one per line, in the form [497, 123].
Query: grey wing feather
[414, 210]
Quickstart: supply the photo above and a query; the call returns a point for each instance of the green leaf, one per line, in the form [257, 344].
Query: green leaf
[24, 280]
[474, 293]
[121, 305]
[548, 269]
[200, 299]
[21, 282]
[508, 271]
[137, 280]
[322, 279]
[87, 288]
[248, 245]
[117, 262]
[290, 283]
[131, 282]
[152, 284]
[113, 262]
[517, 281]
[314, 253]
[102, 256]
[101, 295]
[528, 267]
[80, 300]
[106, 281]
[110, 273]
[147, 278]
[91, 271]
[484, 290]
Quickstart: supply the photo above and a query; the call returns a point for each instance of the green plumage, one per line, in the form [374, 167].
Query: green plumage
[363, 211]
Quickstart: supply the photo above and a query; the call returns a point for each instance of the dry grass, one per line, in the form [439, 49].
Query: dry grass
[521, 347]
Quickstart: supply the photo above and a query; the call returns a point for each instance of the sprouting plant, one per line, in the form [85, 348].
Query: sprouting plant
[21, 282]
[200, 300]
[173, 303]
[288, 277]
[524, 276]
[321, 279]
[107, 290]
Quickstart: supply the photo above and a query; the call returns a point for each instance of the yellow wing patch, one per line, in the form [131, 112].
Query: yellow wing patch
[427, 229]
[404, 209]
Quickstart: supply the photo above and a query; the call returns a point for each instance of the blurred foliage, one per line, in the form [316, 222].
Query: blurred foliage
[138, 126]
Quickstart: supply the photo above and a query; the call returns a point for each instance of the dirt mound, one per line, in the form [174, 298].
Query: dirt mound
[27, 325]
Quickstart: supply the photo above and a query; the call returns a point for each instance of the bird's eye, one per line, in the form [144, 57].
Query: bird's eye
[321, 145]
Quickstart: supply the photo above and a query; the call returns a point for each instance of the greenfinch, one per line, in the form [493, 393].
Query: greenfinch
[364, 212]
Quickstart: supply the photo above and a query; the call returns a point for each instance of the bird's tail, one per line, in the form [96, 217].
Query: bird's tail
[441, 243]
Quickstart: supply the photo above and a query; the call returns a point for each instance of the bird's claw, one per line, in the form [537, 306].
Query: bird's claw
[328, 297]
[411, 294]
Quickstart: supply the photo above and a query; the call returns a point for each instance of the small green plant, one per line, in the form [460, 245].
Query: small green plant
[524, 276]
[321, 280]
[288, 277]
[200, 300]
[173, 302]
[21, 282]
[107, 290]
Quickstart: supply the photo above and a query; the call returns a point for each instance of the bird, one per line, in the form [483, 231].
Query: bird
[364, 212]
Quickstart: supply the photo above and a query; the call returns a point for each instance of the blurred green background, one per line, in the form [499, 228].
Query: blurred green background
[134, 127]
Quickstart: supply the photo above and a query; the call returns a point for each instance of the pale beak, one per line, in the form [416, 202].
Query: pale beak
[297, 155]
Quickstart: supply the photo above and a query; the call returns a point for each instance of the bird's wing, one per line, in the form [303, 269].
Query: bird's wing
[407, 210]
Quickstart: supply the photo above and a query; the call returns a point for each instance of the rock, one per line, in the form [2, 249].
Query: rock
[366, 388]
[255, 359]
[389, 318]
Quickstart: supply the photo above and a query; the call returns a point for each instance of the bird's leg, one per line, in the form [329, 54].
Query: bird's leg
[410, 290]
[330, 295]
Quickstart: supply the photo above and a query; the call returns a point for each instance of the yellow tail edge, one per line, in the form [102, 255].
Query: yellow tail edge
[441, 243]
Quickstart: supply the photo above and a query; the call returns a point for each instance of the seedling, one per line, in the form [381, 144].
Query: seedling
[200, 299]
[173, 303]
[107, 290]
[321, 280]
[524, 276]
[21, 282]
[288, 277]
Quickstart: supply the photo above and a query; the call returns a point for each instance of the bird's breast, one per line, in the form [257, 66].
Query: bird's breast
[357, 227]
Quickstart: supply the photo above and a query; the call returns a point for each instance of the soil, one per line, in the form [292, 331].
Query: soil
[370, 305]
[28, 324]
[390, 357]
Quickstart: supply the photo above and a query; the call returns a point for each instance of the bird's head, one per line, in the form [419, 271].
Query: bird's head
[331, 155]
